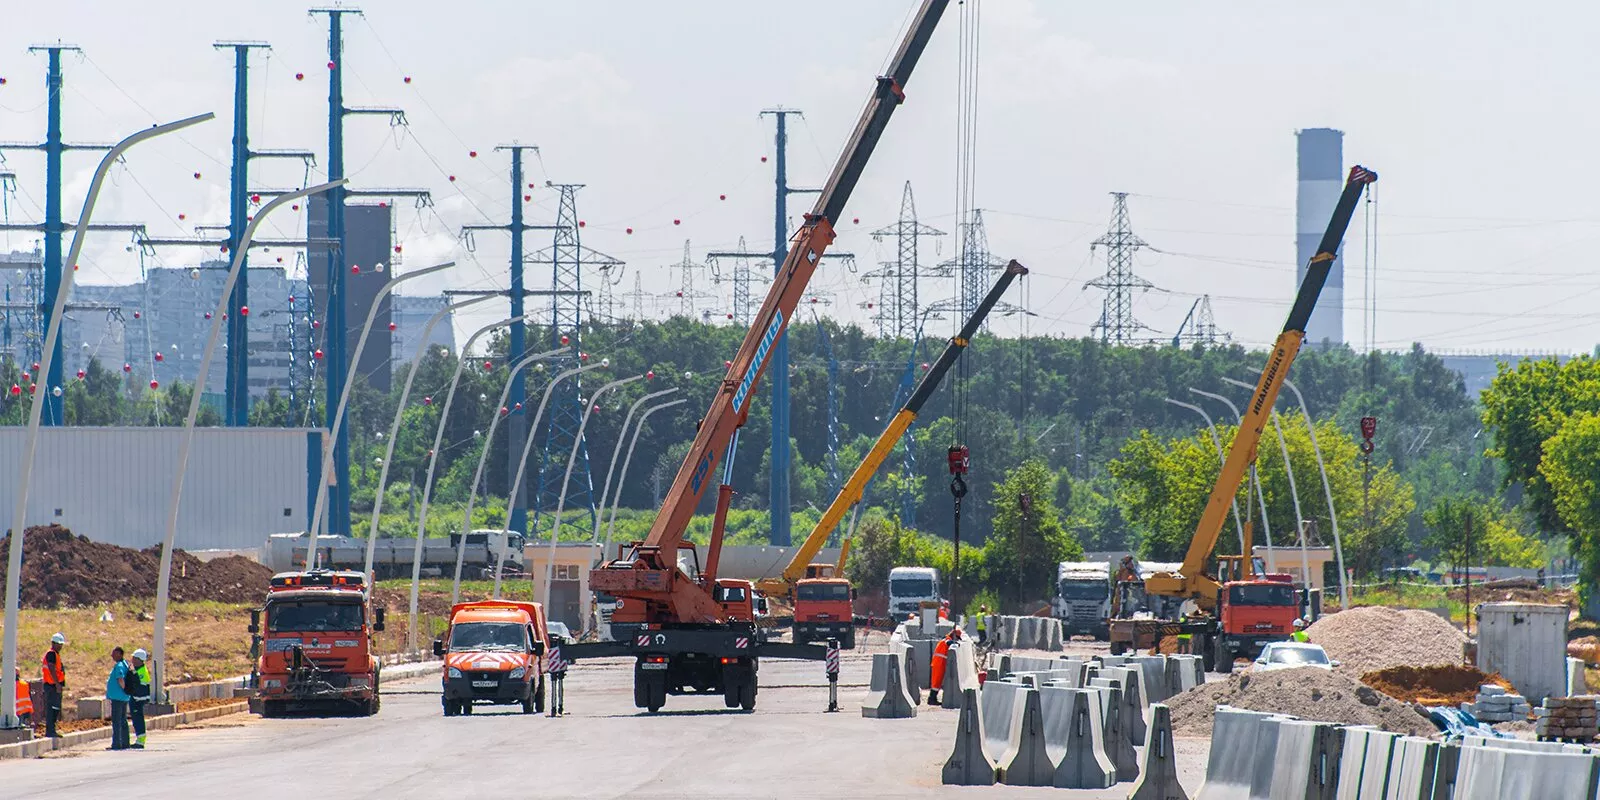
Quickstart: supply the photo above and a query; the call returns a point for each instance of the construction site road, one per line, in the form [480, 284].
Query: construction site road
[603, 748]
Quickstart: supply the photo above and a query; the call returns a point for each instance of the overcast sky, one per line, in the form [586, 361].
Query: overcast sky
[1479, 121]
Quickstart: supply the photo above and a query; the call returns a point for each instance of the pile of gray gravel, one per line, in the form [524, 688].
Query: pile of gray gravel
[1307, 692]
[1378, 637]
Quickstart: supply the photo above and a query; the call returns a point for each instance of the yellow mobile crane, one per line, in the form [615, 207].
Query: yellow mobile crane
[819, 592]
[1243, 612]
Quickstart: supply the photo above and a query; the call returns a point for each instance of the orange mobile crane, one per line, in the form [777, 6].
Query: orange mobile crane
[687, 635]
[1238, 613]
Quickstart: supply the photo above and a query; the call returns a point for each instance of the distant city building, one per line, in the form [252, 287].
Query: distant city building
[21, 290]
[1321, 179]
[369, 242]
[410, 315]
[1477, 370]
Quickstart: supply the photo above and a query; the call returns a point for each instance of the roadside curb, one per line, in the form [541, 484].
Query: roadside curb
[35, 748]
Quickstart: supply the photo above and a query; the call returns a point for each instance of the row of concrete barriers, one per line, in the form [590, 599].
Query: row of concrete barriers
[1019, 633]
[1259, 755]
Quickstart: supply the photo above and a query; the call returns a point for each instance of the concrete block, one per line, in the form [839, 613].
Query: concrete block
[1133, 703]
[1112, 661]
[1266, 766]
[1014, 734]
[1235, 748]
[1492, 773]
[1154, 681]
[967, 764]
[1054, 640]
[1158, 769]
[1491, 690]
[1074, 735]
[919, 663]
[960, 672]
[1087, 671]
[1118, 746]
[1364, 763]
[1198, 664]
[1576, 684]
[909, 670]
[887, 697]
[1305, 764]
[93, 708]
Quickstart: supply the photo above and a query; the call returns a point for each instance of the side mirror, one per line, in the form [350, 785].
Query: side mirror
[255, 621]
[1334, 663]
[852, 593]
[438, 647]
[538, 648]
[378, 625]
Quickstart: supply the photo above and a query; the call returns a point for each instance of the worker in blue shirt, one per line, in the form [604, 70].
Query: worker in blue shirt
[119, 700]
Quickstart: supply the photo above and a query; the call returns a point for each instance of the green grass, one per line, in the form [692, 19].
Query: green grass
[1411, 596]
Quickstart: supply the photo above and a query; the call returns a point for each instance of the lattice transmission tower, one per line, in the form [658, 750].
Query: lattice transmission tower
[739, 275]
[1199, 326]
[688, 294]
[899, 309]
[1117, 324]
[973, 268]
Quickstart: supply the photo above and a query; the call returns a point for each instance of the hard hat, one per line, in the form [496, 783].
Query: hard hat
[955, 633]
[1299, 623]
[141, 654]
[59, 638]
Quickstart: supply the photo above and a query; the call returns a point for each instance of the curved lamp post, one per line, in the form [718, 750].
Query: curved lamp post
[344, 400]
[158, 646]
[483, 458]
[572, 460]
[1216, 442]
[527, 447]
[616, 452]
[1255, 480]
[433, 460]
[1327, 491]
[19, 514]
[616, 497]
[1294, 492]
[399, 411]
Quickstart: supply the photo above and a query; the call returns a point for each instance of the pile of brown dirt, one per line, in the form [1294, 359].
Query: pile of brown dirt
[1586, 648]
[1522, 590]
[1438, 685]
[1307, 692]
[61, 570]
[1371, 638]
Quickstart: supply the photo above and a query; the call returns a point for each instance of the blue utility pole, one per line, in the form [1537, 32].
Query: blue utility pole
[337, 360]
[238, 368]
[778, 500]
[517, 428]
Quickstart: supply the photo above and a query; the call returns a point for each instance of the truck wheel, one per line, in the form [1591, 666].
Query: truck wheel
[1118, 648]
[373, 705]
[466, 708]
[538, 696]
[1223, 657]
[271, 709]
[450, 709]
[747, 693]
[527, 705]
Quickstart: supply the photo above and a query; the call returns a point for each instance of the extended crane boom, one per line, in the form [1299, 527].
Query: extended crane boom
[856, 486]
[649, 574]
[1192, 582]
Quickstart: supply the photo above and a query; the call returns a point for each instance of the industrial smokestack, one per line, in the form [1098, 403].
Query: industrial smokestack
[1321, 173]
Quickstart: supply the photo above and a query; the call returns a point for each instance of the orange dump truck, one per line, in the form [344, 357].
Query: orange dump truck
[315, 648]
[493, 653]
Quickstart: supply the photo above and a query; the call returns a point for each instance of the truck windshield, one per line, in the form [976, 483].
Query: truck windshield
[911, 587]
[314, 616]
[822, 592]
[1084, 590]
[488, 636]
[730, 594]
[1262, 594]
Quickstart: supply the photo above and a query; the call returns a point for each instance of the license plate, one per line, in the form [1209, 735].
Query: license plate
[652, 665]
[485, 684]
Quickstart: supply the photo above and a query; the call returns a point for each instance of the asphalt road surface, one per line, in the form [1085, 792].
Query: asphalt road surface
[603, 748]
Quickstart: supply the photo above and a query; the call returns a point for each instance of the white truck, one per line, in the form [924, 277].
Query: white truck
[391, 557]
[910, 588]
[1083, 598]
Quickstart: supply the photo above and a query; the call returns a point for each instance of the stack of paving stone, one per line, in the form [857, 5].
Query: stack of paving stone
[1495, 704]
[1567, 719]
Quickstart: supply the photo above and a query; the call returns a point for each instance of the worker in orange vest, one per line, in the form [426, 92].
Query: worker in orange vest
[24, 701]
[54, 674]
[941, 652]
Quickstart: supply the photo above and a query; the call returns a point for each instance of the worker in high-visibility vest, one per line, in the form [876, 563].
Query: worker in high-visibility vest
[941, 652]
[24, 701]
[54, 674]
[1300, 634]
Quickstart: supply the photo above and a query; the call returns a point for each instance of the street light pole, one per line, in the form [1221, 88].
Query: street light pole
[572, 459]
[1294, 494]
[337, 423]
[19, 514]
[527, 447]
[1255, 480]
[616, 497]
[1327, 491]
[477, 475]
[616, 452]
[1216, 441]
[399, 411]
[158, 642]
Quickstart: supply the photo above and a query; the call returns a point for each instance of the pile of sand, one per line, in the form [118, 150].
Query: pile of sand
[1436, 685]
[61, 570]
[1306, 692]
[1372, 638]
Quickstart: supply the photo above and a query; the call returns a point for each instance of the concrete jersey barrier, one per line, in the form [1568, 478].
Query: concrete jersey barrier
[1013, 727]
[1074, 737]
[960, 673]
[968, 765]
[887, 697]
[1497, 773]
[1364, 763]
[1158, 771]
[1306, 761]
[1412, 769]
[1234, 750]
